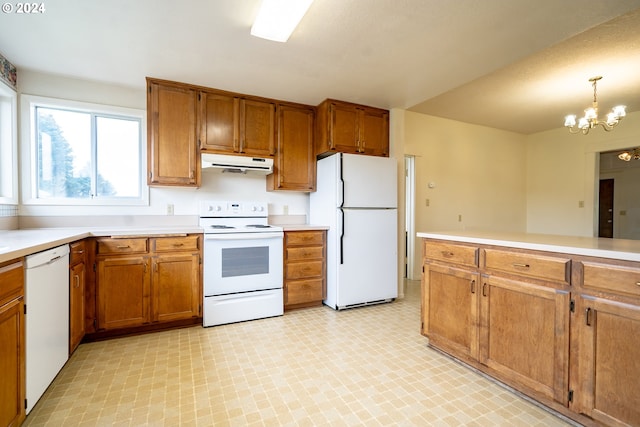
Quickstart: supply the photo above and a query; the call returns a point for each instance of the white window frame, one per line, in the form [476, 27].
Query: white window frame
[9, 146]
[28, 104]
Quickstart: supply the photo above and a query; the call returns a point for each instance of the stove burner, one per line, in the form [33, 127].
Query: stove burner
[258, 226]
[221, 227]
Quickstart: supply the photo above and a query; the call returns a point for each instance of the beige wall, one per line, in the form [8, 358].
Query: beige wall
[477, 173]
[562, 171]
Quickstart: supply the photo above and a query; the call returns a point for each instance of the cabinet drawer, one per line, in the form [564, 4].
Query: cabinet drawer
[11, 281]
[76, 252]
[304, 238]
[304, 291]
[451, 252]
[121, 246]
[531, 265]
[172, 244]
[304, 253]
[612, 278]
[300, 270]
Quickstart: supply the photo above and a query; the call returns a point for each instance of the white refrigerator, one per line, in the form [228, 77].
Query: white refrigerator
[356, 197]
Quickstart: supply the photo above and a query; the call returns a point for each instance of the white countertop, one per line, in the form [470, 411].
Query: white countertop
[18, 243]
[303, 227]
[622, 249]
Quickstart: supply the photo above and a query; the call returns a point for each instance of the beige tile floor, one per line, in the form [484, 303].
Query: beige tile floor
[366, 366]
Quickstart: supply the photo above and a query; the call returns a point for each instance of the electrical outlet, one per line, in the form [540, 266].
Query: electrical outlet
[460, 218]
[581, 203]
[426, 202]
[169, 208]
[285, 210]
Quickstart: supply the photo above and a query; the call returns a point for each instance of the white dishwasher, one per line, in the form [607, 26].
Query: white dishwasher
[47, 319]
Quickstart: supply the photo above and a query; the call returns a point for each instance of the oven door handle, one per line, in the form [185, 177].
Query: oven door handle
[244, 236]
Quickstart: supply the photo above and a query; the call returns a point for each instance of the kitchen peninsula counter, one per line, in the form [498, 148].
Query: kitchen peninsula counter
[551, 316]
[622, 249]
[17, 243]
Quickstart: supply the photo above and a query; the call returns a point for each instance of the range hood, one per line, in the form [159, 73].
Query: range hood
[237, 164]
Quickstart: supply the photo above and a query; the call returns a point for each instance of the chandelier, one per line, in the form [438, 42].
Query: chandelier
[628, 155]
[590, 119]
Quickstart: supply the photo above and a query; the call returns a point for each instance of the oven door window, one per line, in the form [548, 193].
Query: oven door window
[245, 261]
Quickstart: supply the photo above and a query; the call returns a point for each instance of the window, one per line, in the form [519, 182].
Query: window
[85, 154]
[8, 146]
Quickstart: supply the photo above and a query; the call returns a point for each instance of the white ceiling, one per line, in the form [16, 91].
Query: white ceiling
[518, 65]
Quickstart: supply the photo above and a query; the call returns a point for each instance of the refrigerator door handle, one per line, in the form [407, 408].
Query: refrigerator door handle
[341, 235]
[341, 180]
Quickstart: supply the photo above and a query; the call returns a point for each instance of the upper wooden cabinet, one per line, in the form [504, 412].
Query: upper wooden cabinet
[172, 157]
[351, 128]
[234, 124]
[295, 161]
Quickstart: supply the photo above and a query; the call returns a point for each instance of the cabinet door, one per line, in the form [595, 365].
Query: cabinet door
[172, 137]
[608, 389]
[295, 158]
[219, 122]
[176, 290]
[374, 133]
[76, 305]
[12, 356]
[525, 335]
[257, 128]
[343, 128]
[123, 291]
[450, 310]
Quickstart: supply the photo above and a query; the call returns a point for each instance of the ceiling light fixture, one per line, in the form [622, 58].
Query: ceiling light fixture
[590, 119]
[629, 155]
[277, 19]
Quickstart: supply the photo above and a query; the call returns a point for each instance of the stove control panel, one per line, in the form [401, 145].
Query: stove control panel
[217, 208]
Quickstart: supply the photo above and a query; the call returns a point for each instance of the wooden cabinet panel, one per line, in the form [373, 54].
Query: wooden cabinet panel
[12, 349]
[172, 157]
[305, 268]
[450, 309]
[608, 389]
[123, 291]
[257, 127]
[12, 359]
[219, 122]
[295, 161]
[76, 305]
[611, 278]
[451, 252]
[176, 290]
[351, 128]
[525, 334]
[557, 269]
[108, 246]
[303, 291]
[375, 133]
[173, 244]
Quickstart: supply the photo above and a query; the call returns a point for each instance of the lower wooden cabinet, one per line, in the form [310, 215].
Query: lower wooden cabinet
[608, 390]
[77, 273]
[12, 349]
[562, 329]
[145, 281]
[524, 334]
[450, 309]
[305, 268]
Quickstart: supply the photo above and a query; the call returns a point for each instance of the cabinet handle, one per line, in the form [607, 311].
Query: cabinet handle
[587, 314]
[519, 265]
[78, 252]
[447, 254]
[473, 286]
[637, 283]
[484, 289]
[123, 246]
[77, 279]
[177, 245]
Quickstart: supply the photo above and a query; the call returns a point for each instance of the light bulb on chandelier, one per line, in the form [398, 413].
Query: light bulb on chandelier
[590, 118]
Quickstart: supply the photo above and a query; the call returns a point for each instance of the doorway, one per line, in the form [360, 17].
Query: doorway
[605, 208]
[409, 222]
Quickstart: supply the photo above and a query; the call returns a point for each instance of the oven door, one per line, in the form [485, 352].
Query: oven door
[242, 262]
